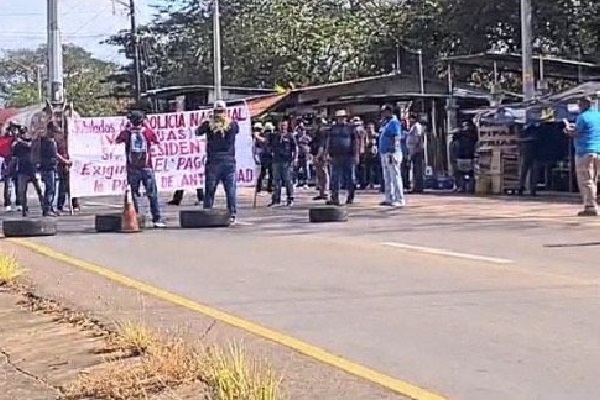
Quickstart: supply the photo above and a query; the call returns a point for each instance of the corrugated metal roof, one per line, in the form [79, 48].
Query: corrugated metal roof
[261, 104]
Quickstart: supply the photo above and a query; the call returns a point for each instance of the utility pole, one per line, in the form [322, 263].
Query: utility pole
[136, 54]
[527, 51]
[421, 72]
[217, 51]
[39, 83]
[55, 57]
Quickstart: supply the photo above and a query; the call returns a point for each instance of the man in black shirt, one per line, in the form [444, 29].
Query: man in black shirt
[284, 151]
[26, 169]
[49, 162]
[220, 134]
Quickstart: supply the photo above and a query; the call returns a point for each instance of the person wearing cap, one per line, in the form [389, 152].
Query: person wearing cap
[321, 162]
[285, 156]
[262, 155]
[220, 133]
[586, 139]
[342, 146]
[391, 158]
[138, 139]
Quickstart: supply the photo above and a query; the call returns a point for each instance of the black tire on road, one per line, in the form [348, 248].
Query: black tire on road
[204, 218]
[109, 223]
[328, 214]
[30, 227]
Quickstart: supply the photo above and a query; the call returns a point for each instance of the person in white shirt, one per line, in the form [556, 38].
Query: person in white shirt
[415, 142]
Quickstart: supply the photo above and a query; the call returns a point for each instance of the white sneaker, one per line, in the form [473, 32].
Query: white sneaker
[8, 208]
[397, 204]
[159, 224]
[19, 208]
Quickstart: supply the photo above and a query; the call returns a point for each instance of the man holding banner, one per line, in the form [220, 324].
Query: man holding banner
[220, 133]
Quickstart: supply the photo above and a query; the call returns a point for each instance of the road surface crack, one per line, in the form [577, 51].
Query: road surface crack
[28, 374]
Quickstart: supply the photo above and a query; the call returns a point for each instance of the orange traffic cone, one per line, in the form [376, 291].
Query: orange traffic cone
[129, 221]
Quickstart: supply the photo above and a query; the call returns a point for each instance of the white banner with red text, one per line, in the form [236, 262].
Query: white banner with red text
[178, 161]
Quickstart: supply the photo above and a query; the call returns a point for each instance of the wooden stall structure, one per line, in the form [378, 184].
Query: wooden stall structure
[497, 160]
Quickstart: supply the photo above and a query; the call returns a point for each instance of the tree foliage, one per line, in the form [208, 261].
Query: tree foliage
[83, 79]
[293, 42]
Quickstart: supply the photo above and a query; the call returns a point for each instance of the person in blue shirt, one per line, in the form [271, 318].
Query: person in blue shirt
[390, 151]
[586, 135]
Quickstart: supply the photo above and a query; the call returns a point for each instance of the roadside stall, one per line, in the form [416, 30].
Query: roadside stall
[497, 158]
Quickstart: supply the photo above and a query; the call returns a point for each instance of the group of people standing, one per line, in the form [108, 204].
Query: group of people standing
[339, 152]
[26, 161]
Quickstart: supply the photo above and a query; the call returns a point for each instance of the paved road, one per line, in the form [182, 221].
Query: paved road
[475, 299]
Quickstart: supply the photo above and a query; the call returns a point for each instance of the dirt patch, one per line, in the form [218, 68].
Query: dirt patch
[51, 352]
[39, 355]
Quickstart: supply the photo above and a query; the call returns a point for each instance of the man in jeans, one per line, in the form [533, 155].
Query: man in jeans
[49, 161]
[138, 140]
[586, 134]
[343, 147]
[303, 140]
[10, 170]
[220, 133]
[285, 155]
[391, 158]
[26, 169]
[320, 160]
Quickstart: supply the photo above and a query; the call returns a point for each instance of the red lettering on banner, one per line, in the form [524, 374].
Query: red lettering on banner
[105, 171]
[98, 186]
[166, 121]
[95, 126]
[170, 135]
[111, 139]
[177, 148]
[245, 176]
[160, 164]
[119, 185]
[193, 180]
[187, 163]
[197, 117]
[166, 181]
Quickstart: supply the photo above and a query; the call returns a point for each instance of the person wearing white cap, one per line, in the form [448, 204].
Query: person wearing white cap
[342, 145]
[262, 155]
[220, 133]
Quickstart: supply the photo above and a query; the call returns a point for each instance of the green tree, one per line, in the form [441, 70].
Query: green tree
[83, 79]
[292, 42]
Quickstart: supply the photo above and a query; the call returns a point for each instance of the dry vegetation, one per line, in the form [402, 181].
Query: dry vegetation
[141, 362]
[10, 270]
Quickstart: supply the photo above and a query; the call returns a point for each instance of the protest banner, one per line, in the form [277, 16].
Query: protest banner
[99, 163]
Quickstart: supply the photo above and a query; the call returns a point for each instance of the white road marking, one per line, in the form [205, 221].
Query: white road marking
[447, 253]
